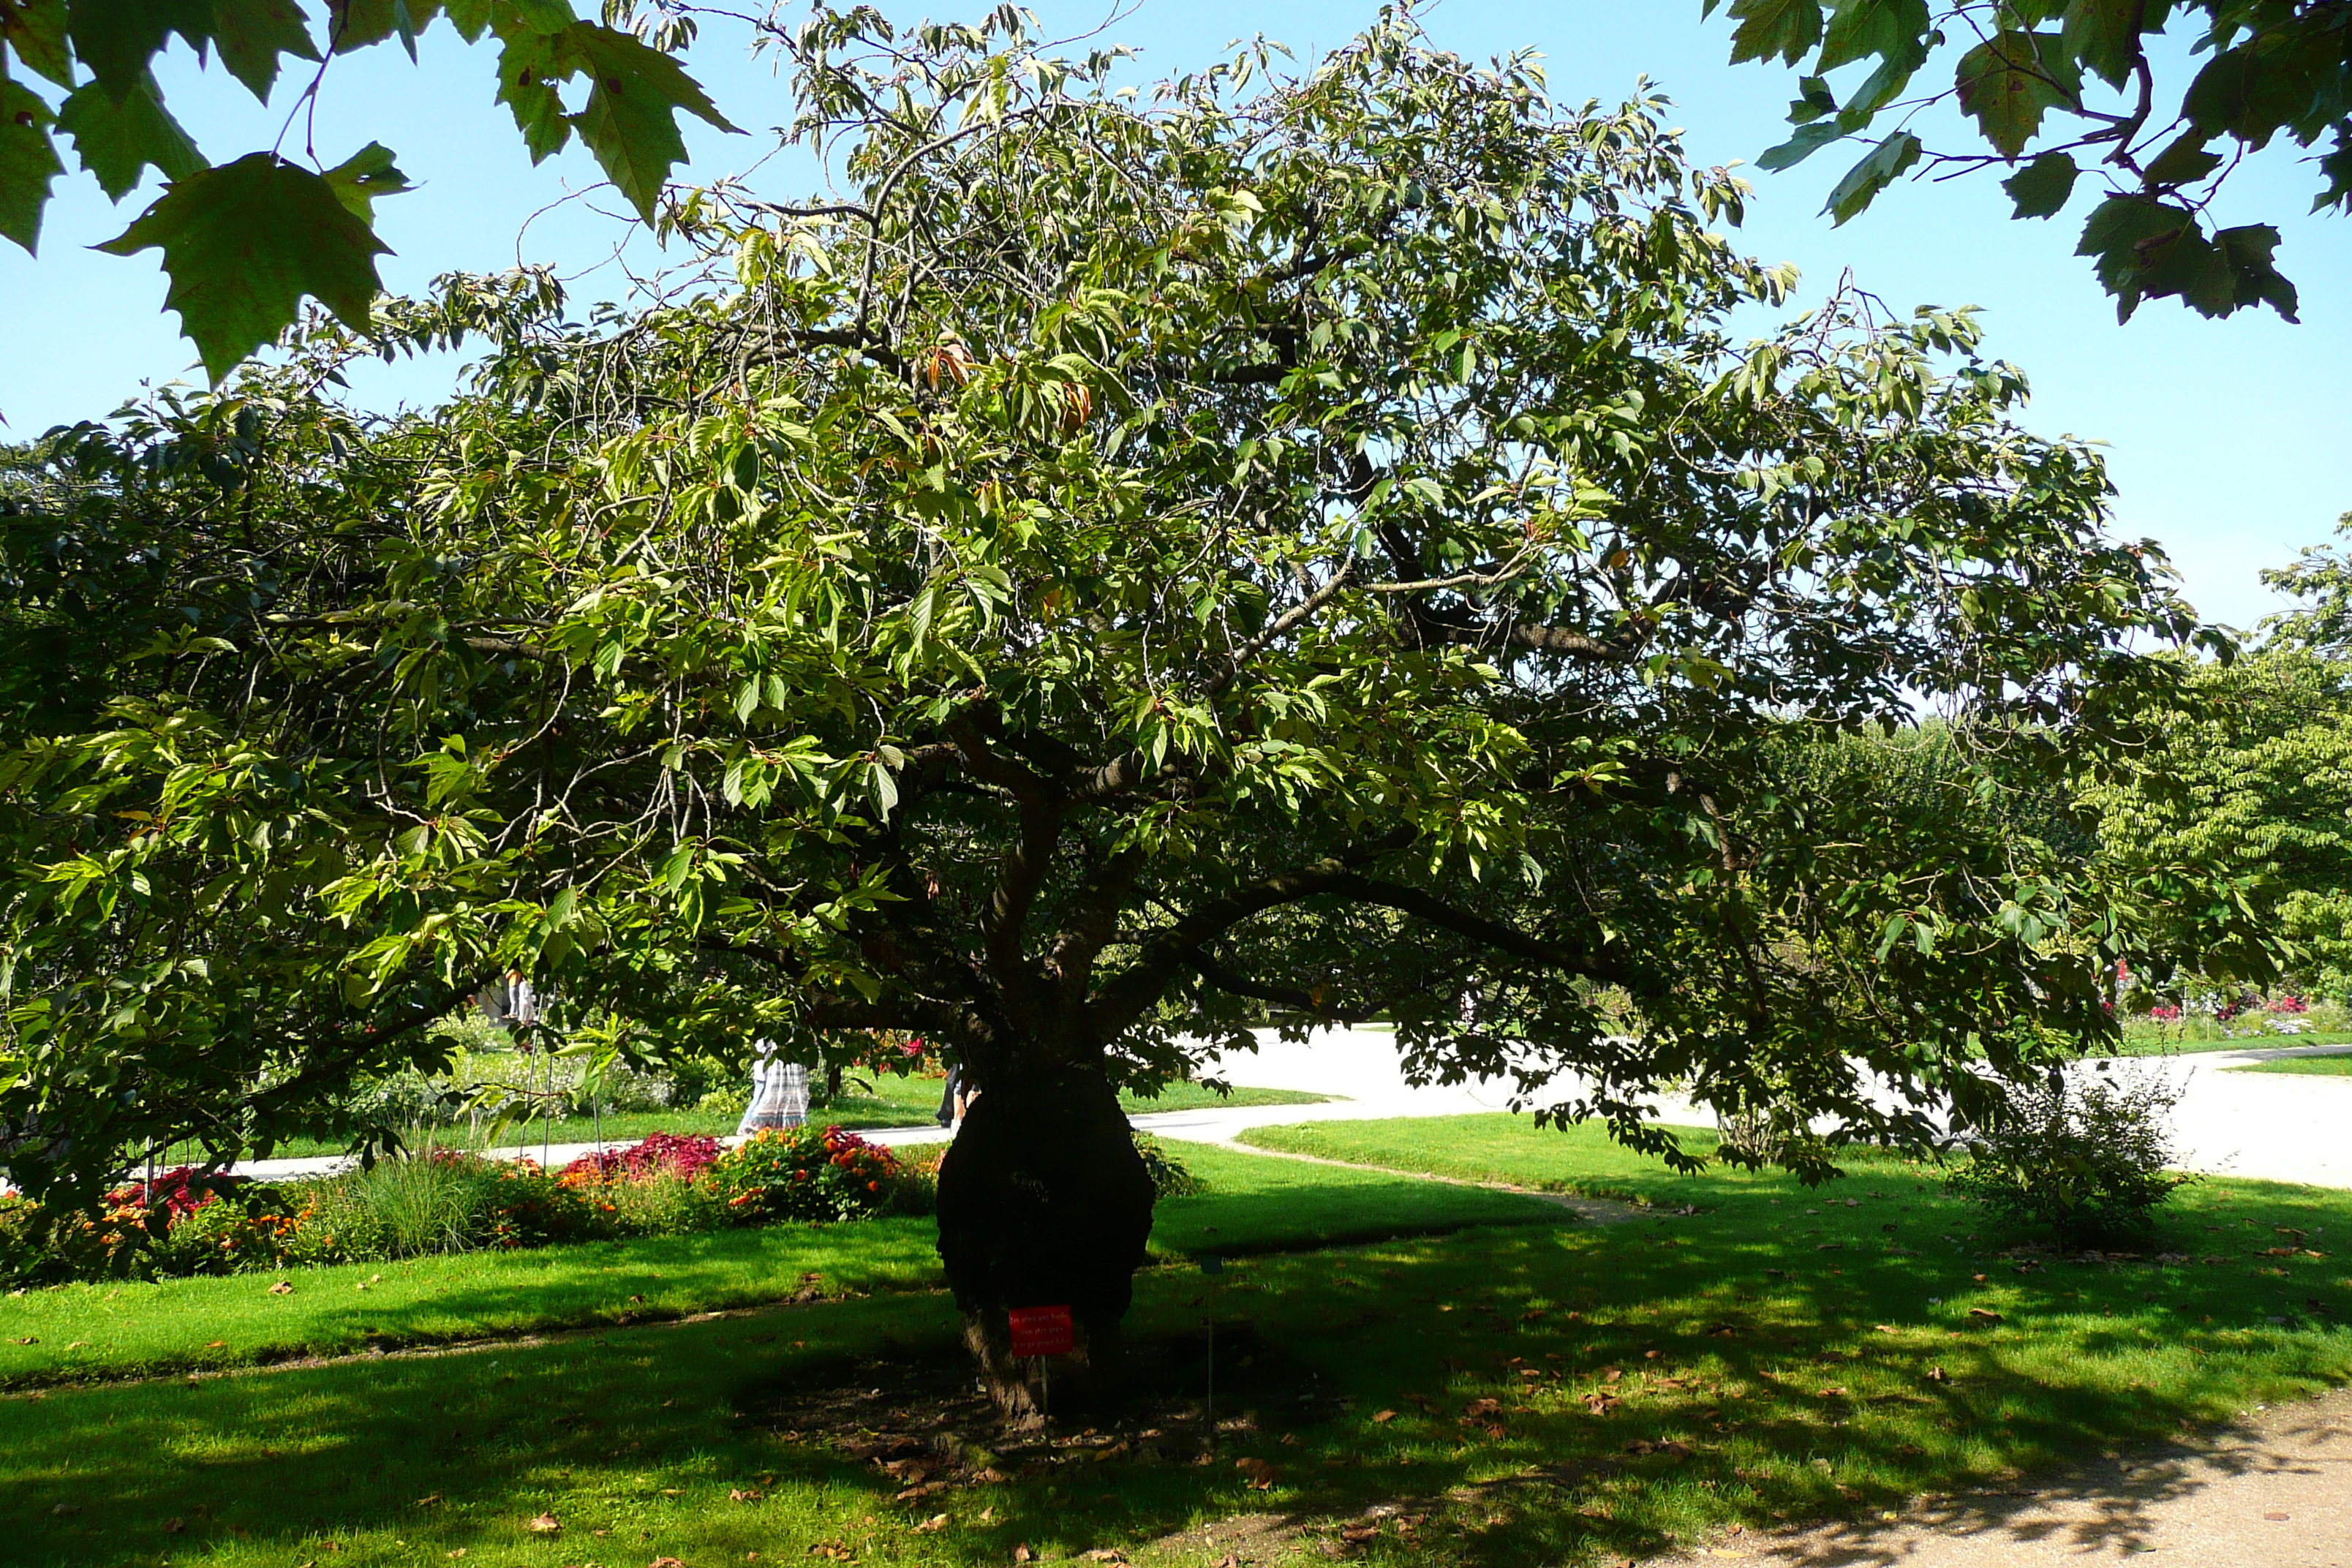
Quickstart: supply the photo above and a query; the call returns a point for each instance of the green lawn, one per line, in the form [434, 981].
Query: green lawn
[108, 1331]
[894, 1102]
[1506, 1389]
[2170, 1044]
[2330, 1066]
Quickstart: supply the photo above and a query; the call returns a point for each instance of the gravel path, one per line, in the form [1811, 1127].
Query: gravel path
[2273, 1492]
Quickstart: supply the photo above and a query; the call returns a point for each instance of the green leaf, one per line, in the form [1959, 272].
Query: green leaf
[116, 38]
[1768, 27]
[243, 242]
[356, 24]
[2008, 82]
[2042, 187]
[2184, 163]
[28, 162]
[119, 140]
[630, 120]
[1813, 101]
[252, 33]
[2104, 36]
[2251, 90]
[2247, 250]
[35, 31]
[2141, 247]
[529, 64]
[1879, 168]
[363, 176]
[1808, 141]
[1889, 29]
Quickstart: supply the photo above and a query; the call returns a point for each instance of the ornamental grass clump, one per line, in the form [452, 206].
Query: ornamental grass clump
[2089, 1159]
[807, 1174]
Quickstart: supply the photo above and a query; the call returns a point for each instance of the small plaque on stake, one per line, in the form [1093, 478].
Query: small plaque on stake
[1042, 1331]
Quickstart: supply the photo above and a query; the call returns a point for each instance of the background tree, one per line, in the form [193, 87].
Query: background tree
[2250, 788]
[2062, 89]
[246, 240]
[1108, 574]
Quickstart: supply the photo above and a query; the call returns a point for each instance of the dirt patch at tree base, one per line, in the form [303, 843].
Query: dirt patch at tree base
[924, 1419]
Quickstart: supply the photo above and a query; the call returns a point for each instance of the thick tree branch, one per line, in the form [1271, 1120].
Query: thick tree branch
[1025, 866]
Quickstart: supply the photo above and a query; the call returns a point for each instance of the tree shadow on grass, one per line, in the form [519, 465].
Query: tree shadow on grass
[1505, 1397]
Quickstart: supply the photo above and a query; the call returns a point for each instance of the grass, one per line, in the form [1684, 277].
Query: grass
[129, 1329]
[1805, 1363]
[2177, 1041]
[894, 1102]
[2338, 1066]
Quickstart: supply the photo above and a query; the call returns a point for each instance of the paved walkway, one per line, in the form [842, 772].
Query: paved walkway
[2273, 1126]
[2273, 1492]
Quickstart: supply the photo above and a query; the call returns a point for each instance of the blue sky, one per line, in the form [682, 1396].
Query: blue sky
[2227, 440]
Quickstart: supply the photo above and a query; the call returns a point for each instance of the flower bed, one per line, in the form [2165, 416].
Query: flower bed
[449, 1200]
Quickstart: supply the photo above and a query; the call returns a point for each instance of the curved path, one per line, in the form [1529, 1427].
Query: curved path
[2277, 1127]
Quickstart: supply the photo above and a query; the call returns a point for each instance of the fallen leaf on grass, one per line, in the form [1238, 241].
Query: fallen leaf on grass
[174, 1526]
[1230, 1560]
[1385, 1416]
[1478, 1407]
[428, 1501]
[665, 1562]
[1983, 1315]
[743, 1494]
[215, 1344]
[936, 1522]
[545, 1524]
[1106, 1554]
[1262, 1476]
[1357, 1535]
[1886, 1328]
[30, 1339]
[831, 1551]
[283, 1287]
[1938, 1375]
[1021, 1554]
[1837, 1393]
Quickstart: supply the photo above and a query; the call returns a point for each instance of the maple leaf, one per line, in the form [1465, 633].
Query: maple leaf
[119, 139]
[243, 244]
[28, 162]
[630, 120]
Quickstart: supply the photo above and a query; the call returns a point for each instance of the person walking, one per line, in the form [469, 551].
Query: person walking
[779, 1093]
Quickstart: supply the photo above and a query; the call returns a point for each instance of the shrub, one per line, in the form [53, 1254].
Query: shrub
[802, 1173]
[2088, 1158]
[725, 1102]
[1170, 1179]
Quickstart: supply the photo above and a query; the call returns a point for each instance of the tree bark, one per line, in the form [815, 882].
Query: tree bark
[1043, 1202]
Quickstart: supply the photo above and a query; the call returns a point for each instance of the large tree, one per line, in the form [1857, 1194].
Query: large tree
[1109, 574]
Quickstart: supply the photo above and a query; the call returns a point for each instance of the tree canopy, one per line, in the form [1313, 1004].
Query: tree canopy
[2248, 788]
[1110, 571]
[2063, 88]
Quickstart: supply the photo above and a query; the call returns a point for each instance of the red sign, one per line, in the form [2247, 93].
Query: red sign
[1042, 1331]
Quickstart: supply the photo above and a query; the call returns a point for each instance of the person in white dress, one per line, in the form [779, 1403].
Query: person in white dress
[779, 1093]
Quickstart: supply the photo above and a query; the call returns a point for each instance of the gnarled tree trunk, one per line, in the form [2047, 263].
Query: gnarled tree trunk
[1043, 1202]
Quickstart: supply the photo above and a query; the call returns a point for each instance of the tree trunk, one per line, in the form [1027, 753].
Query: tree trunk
[1043, 1202]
